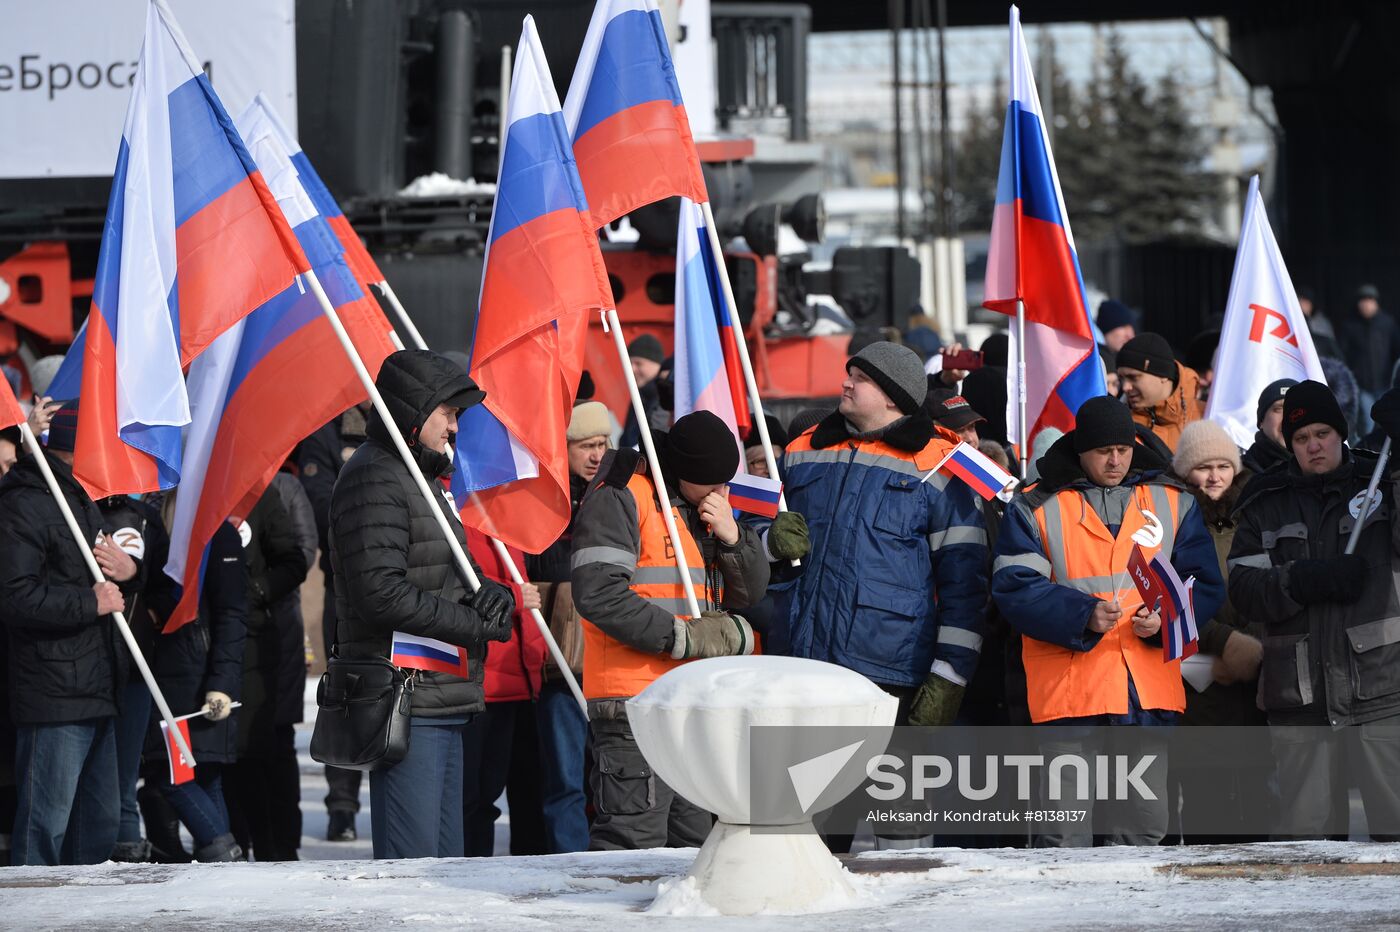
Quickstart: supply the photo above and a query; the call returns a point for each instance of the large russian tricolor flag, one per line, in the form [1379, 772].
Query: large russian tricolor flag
[544, 273]
[1032, 258]
[362, 264]
[625, 115]
[193, 242]
[270, 380]
[701, 377]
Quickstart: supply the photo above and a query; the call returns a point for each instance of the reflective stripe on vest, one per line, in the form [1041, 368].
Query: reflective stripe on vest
[612, 669]
[1084, 556]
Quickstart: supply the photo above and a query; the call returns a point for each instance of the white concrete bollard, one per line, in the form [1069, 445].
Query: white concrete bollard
[693, 726]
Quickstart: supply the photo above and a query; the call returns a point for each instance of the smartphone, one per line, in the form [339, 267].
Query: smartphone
[965, 359]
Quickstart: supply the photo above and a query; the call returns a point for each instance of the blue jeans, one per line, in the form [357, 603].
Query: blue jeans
[132, 722]
[68, 802]
[563, 733]
[415, 806]
[199, 803]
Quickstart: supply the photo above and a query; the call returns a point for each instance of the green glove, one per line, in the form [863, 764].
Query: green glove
[713, 634]
[787, 537]
[936, 702]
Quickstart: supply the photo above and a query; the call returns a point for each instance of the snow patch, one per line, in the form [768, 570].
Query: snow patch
[438, 184]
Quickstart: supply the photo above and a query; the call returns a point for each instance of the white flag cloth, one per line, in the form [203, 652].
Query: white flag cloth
[1265, 336]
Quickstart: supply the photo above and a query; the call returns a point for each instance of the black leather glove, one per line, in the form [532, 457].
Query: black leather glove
[1338, 579]
[494, 605]
[1386, 413]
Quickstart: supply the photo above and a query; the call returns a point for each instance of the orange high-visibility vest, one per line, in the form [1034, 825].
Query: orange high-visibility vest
[1084, 556]
[612, 668]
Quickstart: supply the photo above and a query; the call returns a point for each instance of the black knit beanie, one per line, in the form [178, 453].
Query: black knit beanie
[1102, 422]
[1272, 392]
[701, 449]
[1311, 403]
[1150, 353]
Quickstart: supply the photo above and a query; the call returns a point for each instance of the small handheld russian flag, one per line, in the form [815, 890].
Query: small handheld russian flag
[1162, 589]
[180, 769]
[979, 471]
[755, 494]
[419, 653]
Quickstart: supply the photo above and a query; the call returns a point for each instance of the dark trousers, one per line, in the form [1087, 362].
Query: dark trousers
[563, 734]
[69, 808]
[264, 800]
[343, 786]
[1131, 821]
[500, 755]
[1316, 766]
[200, 803]
[635, 809]
[416, 805]
[132, 722]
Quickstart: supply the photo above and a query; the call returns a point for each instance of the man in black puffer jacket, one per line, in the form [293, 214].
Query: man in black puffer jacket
[395, 573]
[65, 667]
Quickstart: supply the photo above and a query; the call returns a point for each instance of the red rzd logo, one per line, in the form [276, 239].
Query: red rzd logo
[1261, 320]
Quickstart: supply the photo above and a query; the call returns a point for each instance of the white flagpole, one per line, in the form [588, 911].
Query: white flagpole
[1022, 428]
[388, 291]
[501, 551]
[614, 326]
[458, 554]
[755, 402]
[32, 444]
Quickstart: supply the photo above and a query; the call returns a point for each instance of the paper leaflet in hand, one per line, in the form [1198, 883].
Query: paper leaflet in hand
[1163, 591]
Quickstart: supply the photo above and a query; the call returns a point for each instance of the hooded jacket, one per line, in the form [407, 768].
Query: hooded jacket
[896, 581]
[1329, 662]
[394, 570]
[1169, 417]
[64, 663]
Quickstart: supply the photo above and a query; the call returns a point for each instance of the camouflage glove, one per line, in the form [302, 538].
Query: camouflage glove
[787, 537]
[713, 634]
[936, 702]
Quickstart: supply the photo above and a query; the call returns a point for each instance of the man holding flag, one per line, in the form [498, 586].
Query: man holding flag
[637, 622]
[895, 586]
[1091, 648]
[399, 594]
[65, 668]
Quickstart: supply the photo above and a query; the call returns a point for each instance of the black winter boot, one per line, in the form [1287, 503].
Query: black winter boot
[223, 848]
[162, 827]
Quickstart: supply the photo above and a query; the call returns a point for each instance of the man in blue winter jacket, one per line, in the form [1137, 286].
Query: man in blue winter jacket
[895, 585]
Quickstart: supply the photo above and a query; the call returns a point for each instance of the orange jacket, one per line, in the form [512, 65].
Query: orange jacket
[1086, 557]
[1168, 418]
[612, 668]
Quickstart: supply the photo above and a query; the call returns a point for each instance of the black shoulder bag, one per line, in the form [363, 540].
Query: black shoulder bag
[364, 711]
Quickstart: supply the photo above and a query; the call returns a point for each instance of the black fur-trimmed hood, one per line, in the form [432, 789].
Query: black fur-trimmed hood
[910, 434]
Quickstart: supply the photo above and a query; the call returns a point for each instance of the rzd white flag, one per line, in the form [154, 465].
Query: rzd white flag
[1265, 336]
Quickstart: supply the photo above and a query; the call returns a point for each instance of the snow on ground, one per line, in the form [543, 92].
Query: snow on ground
[1336, 885]
[1333, 885]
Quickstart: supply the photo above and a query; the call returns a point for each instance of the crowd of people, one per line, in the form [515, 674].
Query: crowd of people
[968, 611]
